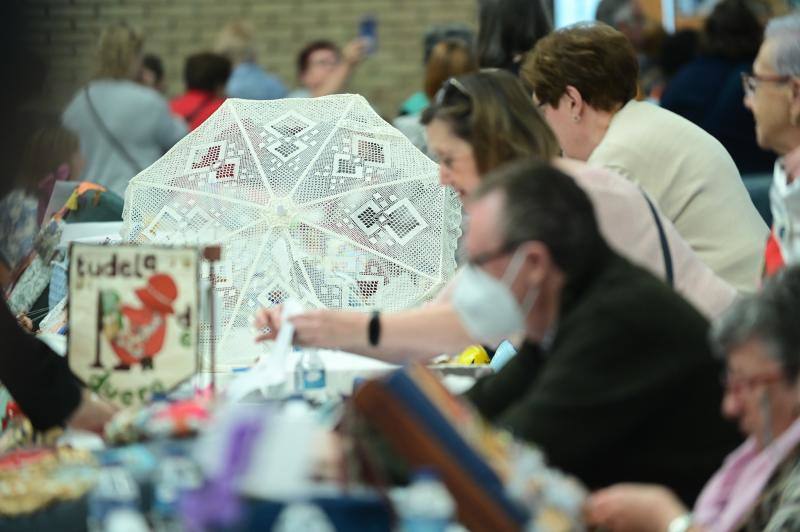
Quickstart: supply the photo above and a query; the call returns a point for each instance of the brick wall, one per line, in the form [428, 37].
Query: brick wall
[65, 31]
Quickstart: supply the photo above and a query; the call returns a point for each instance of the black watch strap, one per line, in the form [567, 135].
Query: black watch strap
[374, 329]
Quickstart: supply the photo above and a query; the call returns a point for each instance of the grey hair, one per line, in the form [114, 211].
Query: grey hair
[770, 317]
[785, 33]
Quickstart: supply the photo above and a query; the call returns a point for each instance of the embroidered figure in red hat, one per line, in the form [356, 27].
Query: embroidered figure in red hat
[138, 334]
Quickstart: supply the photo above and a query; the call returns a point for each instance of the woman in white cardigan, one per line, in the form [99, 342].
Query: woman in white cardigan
[584, 81]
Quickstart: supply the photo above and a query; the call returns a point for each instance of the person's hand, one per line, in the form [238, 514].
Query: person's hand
[25, 322]
[355, 51]
[92, 413]
[633, 507]
[268, 322]
[331, 329]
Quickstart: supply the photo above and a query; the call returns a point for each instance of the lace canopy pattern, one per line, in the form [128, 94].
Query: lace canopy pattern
[315, 199]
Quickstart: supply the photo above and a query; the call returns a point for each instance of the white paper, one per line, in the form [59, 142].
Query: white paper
[55, 314]
[271, 369]
[283, 343]
[91, 232]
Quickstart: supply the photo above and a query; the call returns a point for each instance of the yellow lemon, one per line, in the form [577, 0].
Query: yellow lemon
[474, 354]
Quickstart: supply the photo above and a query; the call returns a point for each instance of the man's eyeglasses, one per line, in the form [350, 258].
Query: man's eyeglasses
[750, 82]
[736, 384]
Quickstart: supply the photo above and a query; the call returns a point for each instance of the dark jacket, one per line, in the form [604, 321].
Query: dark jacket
[628, 391]
[708, 91]
[38, 379]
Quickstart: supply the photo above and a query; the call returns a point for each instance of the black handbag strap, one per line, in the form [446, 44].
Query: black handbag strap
[116, 144]
[662, 236]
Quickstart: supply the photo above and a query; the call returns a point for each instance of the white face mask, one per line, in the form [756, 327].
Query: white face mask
[486, 306]
[784, 202]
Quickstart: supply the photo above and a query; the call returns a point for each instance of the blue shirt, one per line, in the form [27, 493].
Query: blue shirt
[251, 82]
[136, 116]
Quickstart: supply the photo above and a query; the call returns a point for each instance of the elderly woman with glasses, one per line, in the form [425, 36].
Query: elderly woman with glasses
[479, 122]
[761, 342]
[584, 80]
[772, 93]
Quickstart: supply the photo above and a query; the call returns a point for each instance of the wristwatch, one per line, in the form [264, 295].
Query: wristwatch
[374, 329]
[682, 523]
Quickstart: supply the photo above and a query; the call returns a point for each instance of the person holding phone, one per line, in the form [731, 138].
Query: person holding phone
[323, 68]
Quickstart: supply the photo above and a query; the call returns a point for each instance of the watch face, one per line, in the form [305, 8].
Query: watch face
[680, 524]
[374, 332]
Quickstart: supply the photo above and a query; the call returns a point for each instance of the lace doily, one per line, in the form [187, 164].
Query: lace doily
[316, 199]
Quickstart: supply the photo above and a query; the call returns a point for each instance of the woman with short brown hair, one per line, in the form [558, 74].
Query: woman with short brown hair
[597, 60]
[583, 79]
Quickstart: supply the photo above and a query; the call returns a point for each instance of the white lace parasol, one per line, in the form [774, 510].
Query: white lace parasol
[316, 199]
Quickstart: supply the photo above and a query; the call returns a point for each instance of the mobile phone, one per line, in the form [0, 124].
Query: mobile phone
[368, 30]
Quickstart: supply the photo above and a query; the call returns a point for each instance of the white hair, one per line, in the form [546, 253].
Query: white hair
[784, 32]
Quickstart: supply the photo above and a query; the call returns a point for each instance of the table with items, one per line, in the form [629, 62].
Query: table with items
[364, 451]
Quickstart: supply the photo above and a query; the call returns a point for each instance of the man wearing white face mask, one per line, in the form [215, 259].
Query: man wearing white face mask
[615, 380]
[772, 93]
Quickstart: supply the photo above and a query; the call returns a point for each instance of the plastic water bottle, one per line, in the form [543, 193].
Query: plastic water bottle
[115, 490]
[302, 515]
[502, 355]
[176, 475]
[309, 375]
[427, 505]
[125, 520]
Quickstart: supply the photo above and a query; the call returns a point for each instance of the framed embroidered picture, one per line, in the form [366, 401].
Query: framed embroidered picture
[133, 313]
